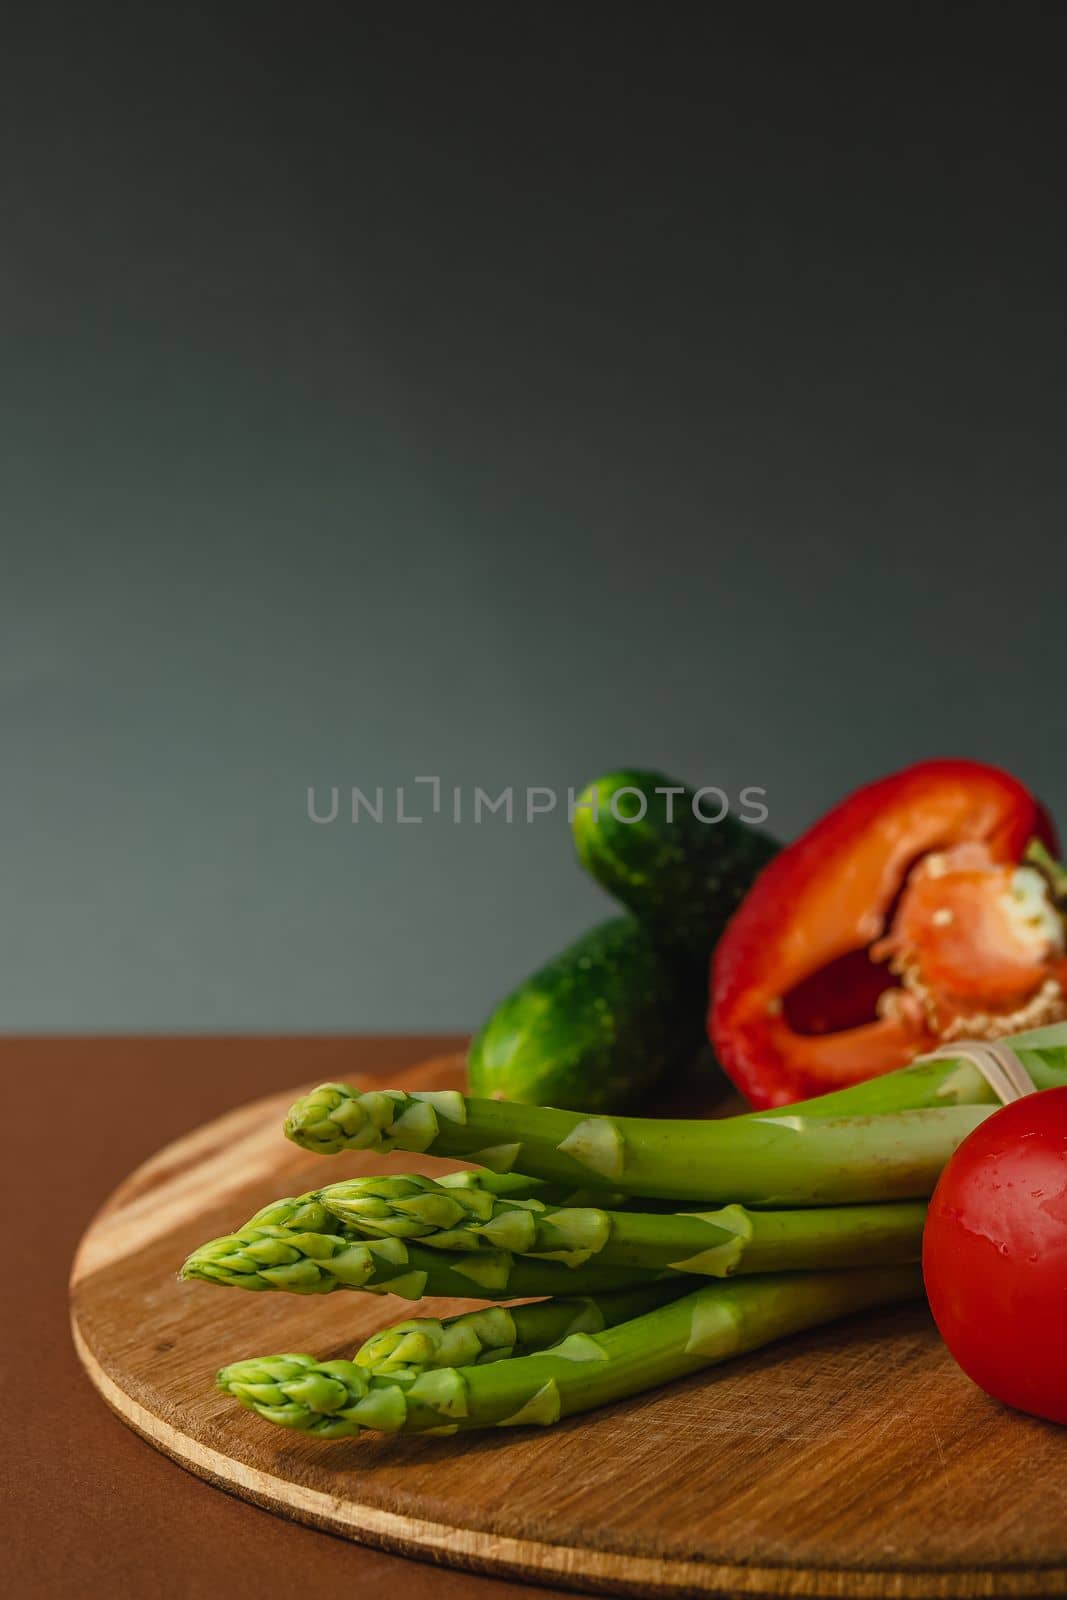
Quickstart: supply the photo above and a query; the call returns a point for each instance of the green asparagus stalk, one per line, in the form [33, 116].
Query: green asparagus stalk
[296, 1244]
[497, 1332]
[266, 1256]
[779, 1158]
[885, 1139]
[711, 1243]
[477, 1190]
[338, 1399]
[945, 1081]
[458, 1193]
[306, 1214]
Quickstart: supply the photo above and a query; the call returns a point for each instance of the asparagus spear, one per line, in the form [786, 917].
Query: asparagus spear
[457, 1193]
[337, 1399]
[305, 1213]
[711, 1243]
[496, 1332]
[296, 1244]
[884, 1139]
[266, 1256]
[775, 1158]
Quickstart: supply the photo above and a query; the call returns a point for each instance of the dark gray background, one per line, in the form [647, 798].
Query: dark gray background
[502, 395]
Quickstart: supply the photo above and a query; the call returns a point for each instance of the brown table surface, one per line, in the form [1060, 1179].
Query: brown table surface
[90, 1509]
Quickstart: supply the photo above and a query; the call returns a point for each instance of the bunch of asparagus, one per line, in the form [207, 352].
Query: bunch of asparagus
[816, 1211]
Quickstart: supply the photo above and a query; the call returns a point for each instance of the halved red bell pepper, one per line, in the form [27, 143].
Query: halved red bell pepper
[904, 919]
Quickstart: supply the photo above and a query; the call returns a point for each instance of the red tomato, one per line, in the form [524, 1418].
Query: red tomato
[995, 1255]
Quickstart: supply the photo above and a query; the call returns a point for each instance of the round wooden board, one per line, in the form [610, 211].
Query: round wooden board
[856, 1461]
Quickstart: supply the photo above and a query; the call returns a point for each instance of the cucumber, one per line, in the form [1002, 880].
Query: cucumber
[683, 878]
[596, 1026]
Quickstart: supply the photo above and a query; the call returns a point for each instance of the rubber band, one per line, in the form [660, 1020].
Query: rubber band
[998, 1064]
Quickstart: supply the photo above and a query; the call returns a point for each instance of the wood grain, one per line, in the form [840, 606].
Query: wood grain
[853, 1462]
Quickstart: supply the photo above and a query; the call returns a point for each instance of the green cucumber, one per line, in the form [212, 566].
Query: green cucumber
[595, 1027]
[682, 878]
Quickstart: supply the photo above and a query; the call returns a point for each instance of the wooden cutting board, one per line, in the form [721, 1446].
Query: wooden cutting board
[855, 1461]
